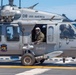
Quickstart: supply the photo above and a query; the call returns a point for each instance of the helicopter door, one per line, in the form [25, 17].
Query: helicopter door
[67, 38]
[51, 38]
[41, 47]
[11, 40]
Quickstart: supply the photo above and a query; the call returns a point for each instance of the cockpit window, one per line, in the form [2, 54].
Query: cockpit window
[74, 25]
[12, 33]
[66, 31]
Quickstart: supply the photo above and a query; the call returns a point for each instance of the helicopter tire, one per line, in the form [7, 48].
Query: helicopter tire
[28, 59]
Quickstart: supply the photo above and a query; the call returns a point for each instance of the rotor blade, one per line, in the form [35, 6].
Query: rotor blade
[31, 7]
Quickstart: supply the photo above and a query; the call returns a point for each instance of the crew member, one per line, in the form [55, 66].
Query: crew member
[39, 36]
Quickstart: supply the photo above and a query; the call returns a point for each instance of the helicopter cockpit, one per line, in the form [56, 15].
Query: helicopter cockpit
[68, 31]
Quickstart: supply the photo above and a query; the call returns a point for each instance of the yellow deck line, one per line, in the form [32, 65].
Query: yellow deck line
[50, 67]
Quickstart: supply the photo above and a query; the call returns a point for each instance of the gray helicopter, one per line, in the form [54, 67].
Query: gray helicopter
[17, 34]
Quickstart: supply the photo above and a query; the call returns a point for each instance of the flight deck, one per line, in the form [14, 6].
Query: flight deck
[53, 66]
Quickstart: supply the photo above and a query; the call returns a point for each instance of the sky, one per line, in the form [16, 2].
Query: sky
[67, 7]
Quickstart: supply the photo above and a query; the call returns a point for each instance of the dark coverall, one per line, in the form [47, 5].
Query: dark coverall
[39, 37]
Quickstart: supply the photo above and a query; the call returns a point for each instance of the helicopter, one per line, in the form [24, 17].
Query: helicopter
[17, 33]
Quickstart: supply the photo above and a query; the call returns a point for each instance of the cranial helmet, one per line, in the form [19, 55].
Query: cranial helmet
[37, 28]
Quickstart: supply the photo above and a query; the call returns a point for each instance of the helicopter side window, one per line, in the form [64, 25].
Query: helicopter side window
[0, 32]
[12, 33]
[43, 28]
[50, 34]
[66, 31]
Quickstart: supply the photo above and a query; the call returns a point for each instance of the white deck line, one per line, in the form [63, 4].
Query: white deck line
[34, 72]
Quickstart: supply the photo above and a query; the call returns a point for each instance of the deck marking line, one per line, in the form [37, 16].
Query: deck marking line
[43, 67]
[34, 72]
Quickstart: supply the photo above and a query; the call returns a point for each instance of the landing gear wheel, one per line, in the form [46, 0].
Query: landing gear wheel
[42, 61]
[28, 59]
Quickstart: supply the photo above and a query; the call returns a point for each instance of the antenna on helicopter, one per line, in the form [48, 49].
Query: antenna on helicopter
[31, 7]
[19, 3]
[11, 2]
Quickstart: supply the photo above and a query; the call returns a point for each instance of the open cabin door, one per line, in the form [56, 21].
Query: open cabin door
[40, 49]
